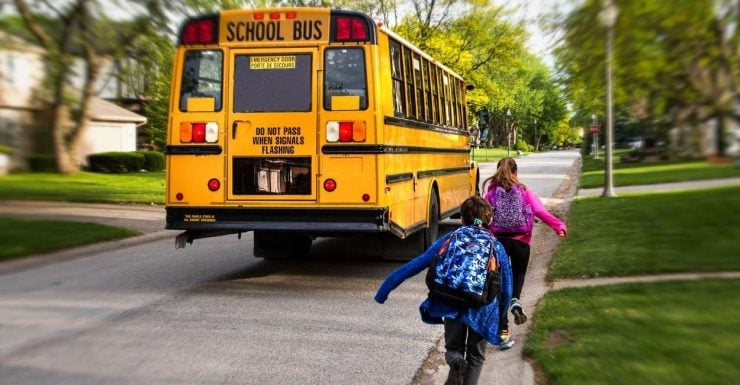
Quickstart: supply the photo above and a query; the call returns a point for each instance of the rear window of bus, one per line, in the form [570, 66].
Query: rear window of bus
[202, 76]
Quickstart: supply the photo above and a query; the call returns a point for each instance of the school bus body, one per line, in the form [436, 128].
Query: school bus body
[283, 122]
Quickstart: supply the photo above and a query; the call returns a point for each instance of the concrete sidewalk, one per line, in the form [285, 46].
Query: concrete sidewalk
[509, 367]
[692, 185]
[142, 218]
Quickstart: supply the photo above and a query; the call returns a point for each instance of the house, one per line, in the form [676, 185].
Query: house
[110, 128]
[21, 72]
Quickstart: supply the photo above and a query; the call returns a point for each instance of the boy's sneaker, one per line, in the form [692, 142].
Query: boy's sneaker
[520, 316]
[506, 341]
[457, 372]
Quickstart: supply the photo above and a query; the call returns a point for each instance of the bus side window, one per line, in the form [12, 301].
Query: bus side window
[344, 75]
[202, 78]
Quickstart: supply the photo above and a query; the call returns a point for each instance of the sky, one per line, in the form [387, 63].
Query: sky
[532, 12]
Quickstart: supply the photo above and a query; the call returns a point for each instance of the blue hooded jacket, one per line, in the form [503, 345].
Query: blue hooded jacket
[483, 320]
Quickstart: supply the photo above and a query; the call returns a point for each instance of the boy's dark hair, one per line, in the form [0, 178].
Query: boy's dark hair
[474, 208]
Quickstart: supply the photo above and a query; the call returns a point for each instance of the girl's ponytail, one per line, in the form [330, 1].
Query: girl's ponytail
[505, 175]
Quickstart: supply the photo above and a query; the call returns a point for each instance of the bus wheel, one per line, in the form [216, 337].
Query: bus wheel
[300, 246]
[270, 244]
[432, 231]
[477, 183]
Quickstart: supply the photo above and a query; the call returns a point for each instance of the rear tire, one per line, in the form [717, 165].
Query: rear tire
[273, 245]
[431, 232]
[477, 183]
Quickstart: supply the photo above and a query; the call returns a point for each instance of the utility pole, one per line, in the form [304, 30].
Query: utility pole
[609, 19]
[508, 131]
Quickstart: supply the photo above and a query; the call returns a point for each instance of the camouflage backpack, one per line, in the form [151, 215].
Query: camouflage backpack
[464, 272]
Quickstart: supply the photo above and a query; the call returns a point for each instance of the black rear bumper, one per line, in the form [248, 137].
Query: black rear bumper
[311, 221]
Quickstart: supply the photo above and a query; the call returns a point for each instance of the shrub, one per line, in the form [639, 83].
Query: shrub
[522, 145]
[42, 163]
[116, 162]
[153, 160]
[5, 150]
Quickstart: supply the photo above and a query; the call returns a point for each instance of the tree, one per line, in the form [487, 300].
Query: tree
[77, 29]
[675, 63]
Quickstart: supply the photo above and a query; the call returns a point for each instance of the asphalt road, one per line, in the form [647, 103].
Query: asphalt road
[213, 314]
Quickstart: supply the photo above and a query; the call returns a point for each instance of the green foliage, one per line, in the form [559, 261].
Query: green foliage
[5, 150]
[160, 54]
[679, 333]
[489, 154]
[19, 237]
[651, 233]
[153, 160]
[116, 162]
[480, 43]
[522, 145]
[675, 63]
[42, 163]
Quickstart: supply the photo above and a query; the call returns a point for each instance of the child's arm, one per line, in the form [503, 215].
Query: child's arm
[539, 210]
[410, 269]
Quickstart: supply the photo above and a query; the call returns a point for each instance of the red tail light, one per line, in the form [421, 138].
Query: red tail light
[214, 184]
[199, 132]
[330, 185]
[345, 131]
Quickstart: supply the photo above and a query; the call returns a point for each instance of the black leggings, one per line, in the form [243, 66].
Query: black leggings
[518, 252]
[463, 342]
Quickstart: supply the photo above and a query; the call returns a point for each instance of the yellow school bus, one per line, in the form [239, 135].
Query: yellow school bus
[297, 123]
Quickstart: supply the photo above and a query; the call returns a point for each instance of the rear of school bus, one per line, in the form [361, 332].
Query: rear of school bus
[274, 128]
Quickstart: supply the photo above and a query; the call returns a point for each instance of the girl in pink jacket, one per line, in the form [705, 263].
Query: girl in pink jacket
[514, 208]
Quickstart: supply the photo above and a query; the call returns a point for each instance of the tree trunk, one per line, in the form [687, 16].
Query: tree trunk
[92, 66]
[60, 116]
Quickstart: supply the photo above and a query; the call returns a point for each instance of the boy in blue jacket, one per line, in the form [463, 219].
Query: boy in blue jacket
[466, 329]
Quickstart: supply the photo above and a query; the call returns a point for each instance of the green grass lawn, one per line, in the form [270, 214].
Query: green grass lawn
[85, 187]
[651, 233]
[490, 154]
[20, 237]
[678, 333]
[631, 174]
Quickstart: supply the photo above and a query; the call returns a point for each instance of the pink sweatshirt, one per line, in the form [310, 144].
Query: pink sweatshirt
[539, 211]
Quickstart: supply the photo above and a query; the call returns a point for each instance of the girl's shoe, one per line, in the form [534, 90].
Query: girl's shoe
[517, 310]
[506, 341]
